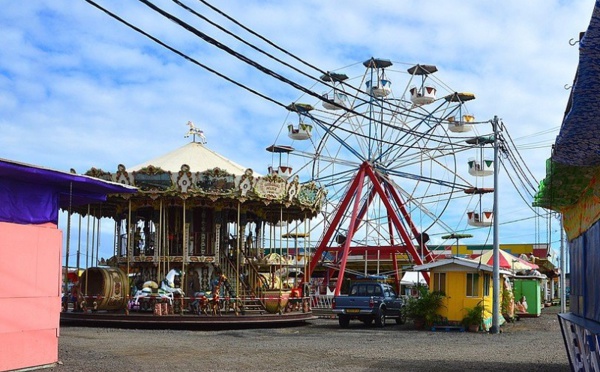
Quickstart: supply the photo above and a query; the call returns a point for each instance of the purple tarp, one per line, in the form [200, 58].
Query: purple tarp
[33, 195]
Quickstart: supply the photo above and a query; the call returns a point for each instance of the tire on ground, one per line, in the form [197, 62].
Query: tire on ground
[344, 320]
[380, 318]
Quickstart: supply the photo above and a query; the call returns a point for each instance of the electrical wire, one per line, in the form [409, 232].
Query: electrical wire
[183, 55]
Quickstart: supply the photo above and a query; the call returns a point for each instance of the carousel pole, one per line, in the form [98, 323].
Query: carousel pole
[87, 240]
[237, 248]
[79, 246]
[98, 236]
[87, 253]
[160, 240]
[129, 240]
[185, 255]
[305, 265]
[65, 298]
[94, 258]
[117, 239]
[280, 255]
[167, 247]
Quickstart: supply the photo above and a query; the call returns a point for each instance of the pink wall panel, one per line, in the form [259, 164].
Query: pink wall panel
[30, 256]
[30, 265]
[28, 349]
[27, 314]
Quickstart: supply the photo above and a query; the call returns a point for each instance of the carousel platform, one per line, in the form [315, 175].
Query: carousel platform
[147, 320]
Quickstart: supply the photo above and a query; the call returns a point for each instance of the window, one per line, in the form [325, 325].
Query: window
[472, 285]
[487, 279]
[362, 290]
[391, 293]
[439, 282]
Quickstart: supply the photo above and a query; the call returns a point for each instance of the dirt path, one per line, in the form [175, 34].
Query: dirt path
[531, 344]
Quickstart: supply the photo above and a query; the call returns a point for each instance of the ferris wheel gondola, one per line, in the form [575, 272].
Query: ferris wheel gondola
[481, 165]
[283, 170]
[378, 85]
[462, 122]
[480, 217]
[336, 99]
[423, 94]
[303, 130]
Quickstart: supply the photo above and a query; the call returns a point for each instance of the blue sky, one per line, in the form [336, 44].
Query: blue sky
[80, 90]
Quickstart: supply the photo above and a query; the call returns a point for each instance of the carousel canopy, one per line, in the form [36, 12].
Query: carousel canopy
[197, 156]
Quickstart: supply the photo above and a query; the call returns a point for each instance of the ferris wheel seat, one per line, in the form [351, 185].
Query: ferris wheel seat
[468, 118]
[481, 169]
[282, 171]
[300, 132]
[339, 98]
[460, 126]
[423, 96]
[381, 89]
[483, 219]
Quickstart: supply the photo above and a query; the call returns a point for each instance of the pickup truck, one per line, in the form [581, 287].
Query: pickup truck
[368, 302]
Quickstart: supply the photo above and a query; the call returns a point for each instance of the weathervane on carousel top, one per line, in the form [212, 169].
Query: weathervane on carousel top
[195, 132]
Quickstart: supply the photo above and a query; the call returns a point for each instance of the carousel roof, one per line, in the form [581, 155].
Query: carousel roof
[197, 156]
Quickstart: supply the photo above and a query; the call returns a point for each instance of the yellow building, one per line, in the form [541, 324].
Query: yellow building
[466, 283]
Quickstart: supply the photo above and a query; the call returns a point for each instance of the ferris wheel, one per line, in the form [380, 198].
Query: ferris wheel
[386, 156]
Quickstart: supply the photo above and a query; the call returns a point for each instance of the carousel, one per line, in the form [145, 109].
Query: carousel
[202, 241]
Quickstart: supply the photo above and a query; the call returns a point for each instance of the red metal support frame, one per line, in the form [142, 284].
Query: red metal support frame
[331, 229]
[352, 228]
[410, 247]
[386, 191]
[400, 203]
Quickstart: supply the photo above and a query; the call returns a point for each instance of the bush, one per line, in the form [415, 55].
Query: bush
[425, 307]
[474, 316]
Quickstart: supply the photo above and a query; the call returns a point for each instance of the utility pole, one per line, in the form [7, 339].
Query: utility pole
[495, 328]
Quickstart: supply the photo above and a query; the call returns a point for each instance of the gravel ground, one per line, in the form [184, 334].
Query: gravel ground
[531, 344]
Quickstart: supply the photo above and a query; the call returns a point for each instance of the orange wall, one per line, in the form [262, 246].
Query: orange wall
[30, 288]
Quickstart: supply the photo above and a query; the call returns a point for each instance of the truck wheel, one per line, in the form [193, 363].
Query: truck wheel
[344, 321]
[401, 319]
[380, 318]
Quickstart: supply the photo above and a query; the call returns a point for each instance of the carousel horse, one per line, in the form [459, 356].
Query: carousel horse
[168, 283]
[195, 132]
[200, 304]
[215, 301]
[166, 291]
[149, 289]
